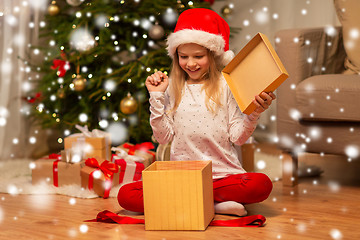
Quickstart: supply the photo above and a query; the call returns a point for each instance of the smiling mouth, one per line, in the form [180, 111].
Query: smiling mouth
[193, 70]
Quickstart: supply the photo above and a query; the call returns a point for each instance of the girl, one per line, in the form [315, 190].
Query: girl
[196, 110]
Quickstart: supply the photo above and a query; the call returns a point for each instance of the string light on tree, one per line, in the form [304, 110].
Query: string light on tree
[180, 5]
[110, 85]
[103, 123]
[83, 117]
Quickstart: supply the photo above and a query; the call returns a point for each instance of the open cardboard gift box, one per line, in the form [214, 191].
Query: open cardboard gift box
[178, 195]
[255, 69]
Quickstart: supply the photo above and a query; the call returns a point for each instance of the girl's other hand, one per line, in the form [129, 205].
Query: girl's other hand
[263, 101]
[157, 82]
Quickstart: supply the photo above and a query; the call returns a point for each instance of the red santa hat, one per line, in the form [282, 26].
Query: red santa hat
[204, 27]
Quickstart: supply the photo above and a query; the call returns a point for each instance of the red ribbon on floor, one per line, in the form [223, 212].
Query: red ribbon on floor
[110, 217]
[248, 221]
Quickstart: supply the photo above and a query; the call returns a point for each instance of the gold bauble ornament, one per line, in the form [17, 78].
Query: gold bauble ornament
[156, 32]
[61, 93]
[53, 9]
[128, 105]
[226, 11]
[79, 83]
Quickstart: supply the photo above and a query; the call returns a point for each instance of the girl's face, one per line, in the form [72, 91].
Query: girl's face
[194, 60]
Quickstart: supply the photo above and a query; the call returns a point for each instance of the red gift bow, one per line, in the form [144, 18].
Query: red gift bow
[55, 156]
[248, 221]
[122, 163]
[145, 147]
[108, 169]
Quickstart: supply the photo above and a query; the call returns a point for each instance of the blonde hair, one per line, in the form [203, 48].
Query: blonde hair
[211, 85]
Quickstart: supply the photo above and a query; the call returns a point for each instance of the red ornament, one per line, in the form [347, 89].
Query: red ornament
[63, 65]
[33, 99]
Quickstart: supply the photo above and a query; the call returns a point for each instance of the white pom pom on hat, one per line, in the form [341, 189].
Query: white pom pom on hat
[204, 27]
[227, 57]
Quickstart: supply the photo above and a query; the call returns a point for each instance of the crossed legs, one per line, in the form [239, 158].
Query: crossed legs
[230, 193]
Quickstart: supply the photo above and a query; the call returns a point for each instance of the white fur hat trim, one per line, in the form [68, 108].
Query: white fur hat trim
[211, 41]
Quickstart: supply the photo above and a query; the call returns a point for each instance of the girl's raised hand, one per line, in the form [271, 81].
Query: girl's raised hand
[157, 82]
[263, 101]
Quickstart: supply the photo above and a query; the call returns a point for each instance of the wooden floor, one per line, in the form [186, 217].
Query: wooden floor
[326, 207]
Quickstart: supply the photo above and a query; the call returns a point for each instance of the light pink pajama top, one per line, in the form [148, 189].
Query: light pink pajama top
[198, 134]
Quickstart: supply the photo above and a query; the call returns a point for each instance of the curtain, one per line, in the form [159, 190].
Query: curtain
[19, 27]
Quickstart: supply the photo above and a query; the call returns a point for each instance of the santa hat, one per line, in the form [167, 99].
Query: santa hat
[204, 27]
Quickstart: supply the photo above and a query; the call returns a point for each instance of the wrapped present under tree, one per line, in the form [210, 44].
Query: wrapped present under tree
[94, 144]
[142, 150]
[59, 173]
[99, 176]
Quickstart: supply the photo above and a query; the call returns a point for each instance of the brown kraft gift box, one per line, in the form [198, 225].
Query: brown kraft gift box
[148, 155]
[96, 147]
[67, 173]
[99, 182]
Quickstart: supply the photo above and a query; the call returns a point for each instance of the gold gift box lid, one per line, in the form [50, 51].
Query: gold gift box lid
[255, 69]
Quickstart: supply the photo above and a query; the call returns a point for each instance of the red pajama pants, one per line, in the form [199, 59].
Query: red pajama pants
[242, 188]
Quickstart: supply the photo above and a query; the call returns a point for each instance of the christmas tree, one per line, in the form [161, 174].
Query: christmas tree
[97, 56]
